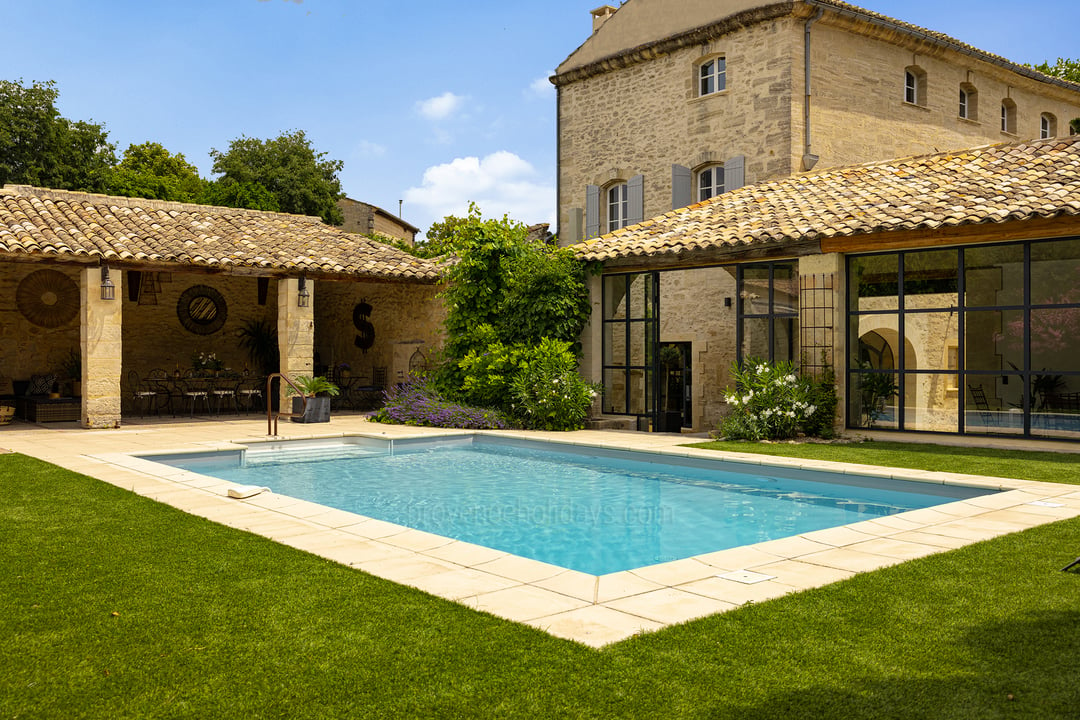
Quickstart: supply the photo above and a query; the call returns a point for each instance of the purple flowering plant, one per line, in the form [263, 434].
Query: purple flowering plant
[418, 403]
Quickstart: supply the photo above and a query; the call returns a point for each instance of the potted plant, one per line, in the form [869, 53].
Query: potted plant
[318, 391]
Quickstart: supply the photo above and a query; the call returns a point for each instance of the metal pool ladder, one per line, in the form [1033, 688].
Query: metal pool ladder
[279, 414]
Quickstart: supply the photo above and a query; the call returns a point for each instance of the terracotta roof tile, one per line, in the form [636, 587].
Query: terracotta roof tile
[1036, 179]
[38, 221]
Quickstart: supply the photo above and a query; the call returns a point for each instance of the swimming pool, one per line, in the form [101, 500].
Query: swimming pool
[584, 508]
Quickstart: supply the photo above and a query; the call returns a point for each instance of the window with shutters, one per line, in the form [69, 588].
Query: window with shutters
[618, 206]
[710, 182]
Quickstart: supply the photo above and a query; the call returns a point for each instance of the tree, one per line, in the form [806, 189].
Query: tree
[39, 147]
[1064, 68]
[149, 170]
[286, 168]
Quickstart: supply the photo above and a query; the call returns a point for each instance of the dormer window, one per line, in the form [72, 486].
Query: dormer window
[712, 76]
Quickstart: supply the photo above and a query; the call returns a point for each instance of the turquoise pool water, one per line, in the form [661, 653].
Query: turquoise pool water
[587, 509]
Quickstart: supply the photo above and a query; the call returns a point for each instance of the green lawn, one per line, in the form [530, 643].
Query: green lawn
[1022, 464]
[115, 606]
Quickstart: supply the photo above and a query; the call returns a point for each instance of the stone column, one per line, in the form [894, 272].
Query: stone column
[296, 333]
[592, 339]
[100, 345]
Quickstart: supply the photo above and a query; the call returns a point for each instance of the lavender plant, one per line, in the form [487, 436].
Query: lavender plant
[418, 403]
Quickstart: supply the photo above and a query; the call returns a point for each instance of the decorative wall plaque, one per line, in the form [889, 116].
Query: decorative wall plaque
[366, 337]
[202, 310]
[48, 298]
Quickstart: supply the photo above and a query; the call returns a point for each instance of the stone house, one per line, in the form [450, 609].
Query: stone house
[943, 290]
[130, 286]
[367, 219]
[665, 104]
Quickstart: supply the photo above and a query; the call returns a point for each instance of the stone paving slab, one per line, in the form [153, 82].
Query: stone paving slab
[594, 610]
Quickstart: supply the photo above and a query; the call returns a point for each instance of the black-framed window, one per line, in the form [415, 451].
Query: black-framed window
[768, 310]
[982, 339]
[630, 326]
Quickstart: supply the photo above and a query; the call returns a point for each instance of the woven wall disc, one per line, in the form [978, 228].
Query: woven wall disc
[48, 298]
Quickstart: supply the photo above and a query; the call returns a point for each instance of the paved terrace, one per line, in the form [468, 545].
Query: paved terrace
[595, 610]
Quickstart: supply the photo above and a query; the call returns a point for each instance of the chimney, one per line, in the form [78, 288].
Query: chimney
[600, 16]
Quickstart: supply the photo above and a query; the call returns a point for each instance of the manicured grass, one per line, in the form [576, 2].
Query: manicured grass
[1020, 464]
[116, 606]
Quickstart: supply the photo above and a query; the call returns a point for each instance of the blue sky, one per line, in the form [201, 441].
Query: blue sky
[433, 103]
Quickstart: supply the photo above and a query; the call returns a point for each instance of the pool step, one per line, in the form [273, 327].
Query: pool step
[312, 454]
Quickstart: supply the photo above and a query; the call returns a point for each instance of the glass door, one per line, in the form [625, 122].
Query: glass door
[631, 338]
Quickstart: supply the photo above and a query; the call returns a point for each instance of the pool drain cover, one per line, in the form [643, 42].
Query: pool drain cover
[746, 577]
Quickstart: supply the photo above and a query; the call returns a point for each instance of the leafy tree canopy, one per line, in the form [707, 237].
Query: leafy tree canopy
[1064, 68]
[39, 147]
[507, 289]
[150, 171]
[287, 169]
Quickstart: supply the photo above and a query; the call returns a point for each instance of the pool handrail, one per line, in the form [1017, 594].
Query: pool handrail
[269, 405]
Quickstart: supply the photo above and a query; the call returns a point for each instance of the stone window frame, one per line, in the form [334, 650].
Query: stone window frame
[616, 210]
[1047, 126]
[1008, 116]
[969, 102]
[915, 86]
[708, 173]
[716, 75]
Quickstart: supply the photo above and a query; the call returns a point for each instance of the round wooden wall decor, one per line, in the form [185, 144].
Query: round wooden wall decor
[202, 310]
[48, 298]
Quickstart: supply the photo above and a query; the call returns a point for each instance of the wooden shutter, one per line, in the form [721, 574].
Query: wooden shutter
[635, 195]
[682, 187]
[592, 211]
[735, 173]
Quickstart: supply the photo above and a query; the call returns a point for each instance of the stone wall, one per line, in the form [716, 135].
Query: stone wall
[25, 348]
[644, 118]
[404, 318]
[858, 109]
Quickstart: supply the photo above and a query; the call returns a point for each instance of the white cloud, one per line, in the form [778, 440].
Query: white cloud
[541, 88]
[367, 148]
[501, 183]
[440, 107]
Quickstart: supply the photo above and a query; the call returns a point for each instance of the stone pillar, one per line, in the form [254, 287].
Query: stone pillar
[100, 345]
[296, 333]
[592, 339]
[823, 314]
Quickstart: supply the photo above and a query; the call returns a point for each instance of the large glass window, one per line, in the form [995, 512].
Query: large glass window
[630, 315]
[769, 311]
[976, 340]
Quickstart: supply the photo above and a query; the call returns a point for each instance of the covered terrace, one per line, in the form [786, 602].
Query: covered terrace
[97, 291]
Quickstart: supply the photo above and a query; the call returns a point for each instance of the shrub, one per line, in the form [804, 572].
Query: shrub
[548, 393]
[418, 403]
[772, 402]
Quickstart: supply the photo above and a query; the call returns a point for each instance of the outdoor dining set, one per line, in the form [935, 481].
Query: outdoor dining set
[193, 392]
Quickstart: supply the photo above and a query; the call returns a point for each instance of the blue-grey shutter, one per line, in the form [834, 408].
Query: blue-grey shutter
[635, 195]
[573, 228]
[592, 211]
[735, 173]
[682, 187]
